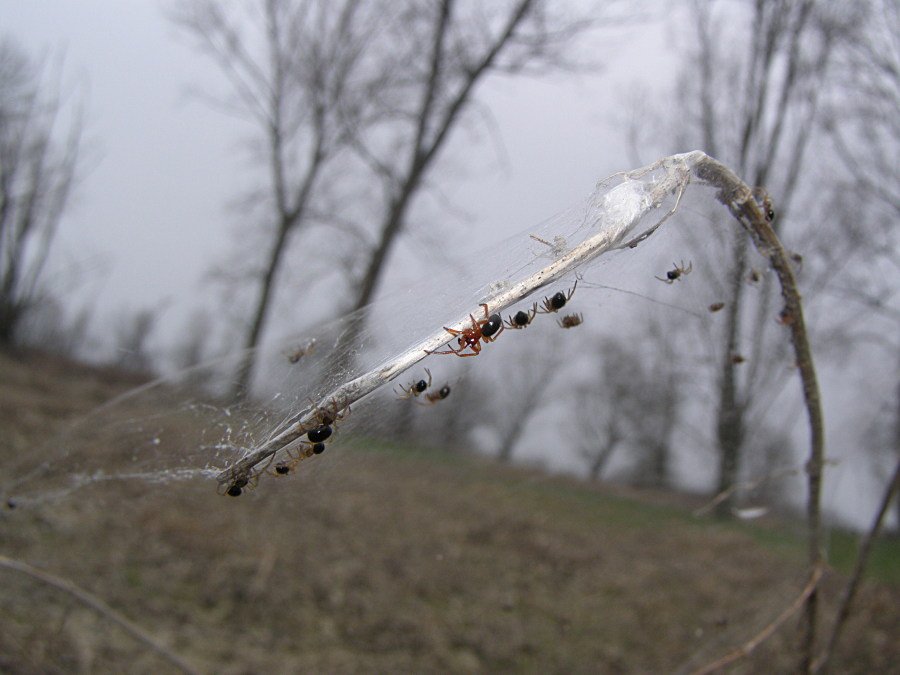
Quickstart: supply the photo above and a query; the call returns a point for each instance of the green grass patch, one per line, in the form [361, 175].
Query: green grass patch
[884, 560]
[591, 504]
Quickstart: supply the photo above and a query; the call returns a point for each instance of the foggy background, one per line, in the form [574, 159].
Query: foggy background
[152, 215]
[158, 212]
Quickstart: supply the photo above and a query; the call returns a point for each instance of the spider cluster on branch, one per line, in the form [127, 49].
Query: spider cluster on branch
[489, 328]
[316, 435]
[415, 389]
[315, 438]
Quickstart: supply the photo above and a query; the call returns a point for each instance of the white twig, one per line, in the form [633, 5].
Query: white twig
[617, 214]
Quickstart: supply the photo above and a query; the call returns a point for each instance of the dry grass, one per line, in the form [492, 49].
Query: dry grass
[378, 559]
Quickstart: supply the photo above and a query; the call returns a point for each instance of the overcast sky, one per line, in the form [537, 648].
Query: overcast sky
[151, 215]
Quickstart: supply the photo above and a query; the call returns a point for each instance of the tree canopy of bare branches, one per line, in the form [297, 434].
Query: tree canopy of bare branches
[388, 81]
[759, 111]
[38, 162]
[298, 72]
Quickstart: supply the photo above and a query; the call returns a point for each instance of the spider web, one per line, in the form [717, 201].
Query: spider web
[182, 431]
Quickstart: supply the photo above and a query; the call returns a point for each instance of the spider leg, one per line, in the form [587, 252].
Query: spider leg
[448, 351]
[476, 350]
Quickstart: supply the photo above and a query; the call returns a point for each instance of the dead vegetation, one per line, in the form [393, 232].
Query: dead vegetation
[385, 559]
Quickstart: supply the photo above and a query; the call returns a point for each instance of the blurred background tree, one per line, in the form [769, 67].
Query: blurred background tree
[39, 156]
[860, 271]
[758, 110]
[300, 73]
[352, 103]
[357, 117]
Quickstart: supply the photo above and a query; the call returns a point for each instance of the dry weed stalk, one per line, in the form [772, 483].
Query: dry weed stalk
[99, 606]
[862, 558]
[750, 214]
[747, 648]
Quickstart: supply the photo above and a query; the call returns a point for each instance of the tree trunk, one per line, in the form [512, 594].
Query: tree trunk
[245, 370]
[730, 415]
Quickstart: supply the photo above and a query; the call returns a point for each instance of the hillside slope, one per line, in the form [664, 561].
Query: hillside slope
[379, 559]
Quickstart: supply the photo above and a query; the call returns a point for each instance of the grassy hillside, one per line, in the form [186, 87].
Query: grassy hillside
[376, 558]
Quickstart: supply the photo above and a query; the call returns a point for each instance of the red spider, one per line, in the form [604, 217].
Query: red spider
[487, 329]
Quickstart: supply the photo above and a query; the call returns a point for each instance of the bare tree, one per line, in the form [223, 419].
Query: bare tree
[761, 113]
[392, 79]
[864, 128]
[38, 162]
[450, 47]
[599, 428]
[445, 49]
[756, 111]
[632, 404]
[131, 333]
[298, 72]
[525, 388]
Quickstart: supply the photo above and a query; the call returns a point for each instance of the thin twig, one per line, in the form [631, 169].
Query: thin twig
[747, 648]
[859, 568]
[99, 606]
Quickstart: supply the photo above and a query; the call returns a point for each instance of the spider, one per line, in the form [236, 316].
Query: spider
[673, 275]
[570, 321]
[304, 451]
[785, 317]
[558, 301]
[319, 433]
[240, 480]
[330, 417]
[487, 329]
[433, 398]
[764, 201]
[299, 353]
[522, 318]
[415, 388]
[557, 248]
[284, 468]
